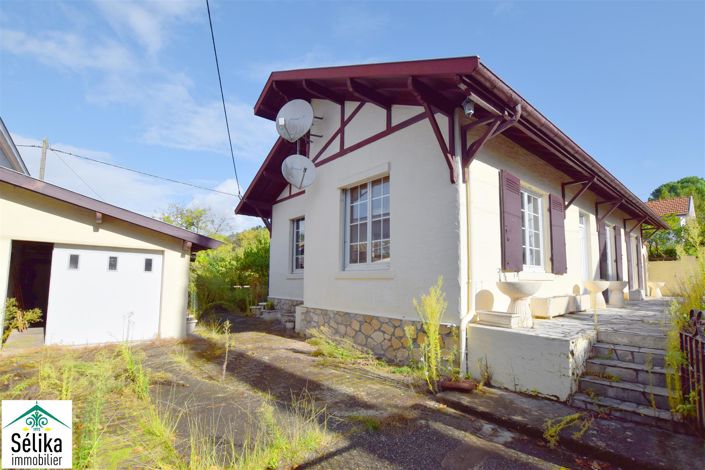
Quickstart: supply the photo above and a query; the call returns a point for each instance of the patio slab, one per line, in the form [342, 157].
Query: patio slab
[19, 341]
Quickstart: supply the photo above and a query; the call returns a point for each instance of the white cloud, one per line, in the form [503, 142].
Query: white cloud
[147, 21]
[224, 207]
[68, 50]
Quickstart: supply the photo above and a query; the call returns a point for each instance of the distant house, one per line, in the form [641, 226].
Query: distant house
[428, 168]
[682, 207]
[99, 273]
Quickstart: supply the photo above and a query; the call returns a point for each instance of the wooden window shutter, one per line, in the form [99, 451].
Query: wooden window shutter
[559, 263]
[639, 261]
[510, 209]
[630, 271]
[618, 252]
[602, 244]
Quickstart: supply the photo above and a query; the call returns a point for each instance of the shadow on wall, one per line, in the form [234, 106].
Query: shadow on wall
[484, 300]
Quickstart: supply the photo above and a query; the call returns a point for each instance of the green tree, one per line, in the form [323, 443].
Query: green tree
[196, 219]
[688, 186]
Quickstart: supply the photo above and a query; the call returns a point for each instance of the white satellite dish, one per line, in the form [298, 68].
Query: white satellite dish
[299, 171]
[294, 120]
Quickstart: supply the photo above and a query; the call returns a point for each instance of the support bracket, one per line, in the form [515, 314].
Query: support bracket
[615, 204]
[365, 93]
[637, 224]
[585, 186]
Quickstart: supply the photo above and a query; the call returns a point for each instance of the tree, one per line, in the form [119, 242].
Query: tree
[196, 219]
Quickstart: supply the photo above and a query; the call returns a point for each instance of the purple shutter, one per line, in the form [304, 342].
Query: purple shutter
[510, 208]
[639, 261]
[602, 244]
[618, 252]
[559, 264]
[630, 271]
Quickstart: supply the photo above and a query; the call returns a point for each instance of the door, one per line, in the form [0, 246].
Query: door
[584, 247]
[99, 295]
[609, 250]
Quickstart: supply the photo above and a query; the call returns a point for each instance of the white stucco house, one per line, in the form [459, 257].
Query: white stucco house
[434, 168]
[99, 273]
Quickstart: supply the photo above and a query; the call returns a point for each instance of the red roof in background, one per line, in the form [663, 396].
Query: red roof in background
[676, 205]
[447, 80]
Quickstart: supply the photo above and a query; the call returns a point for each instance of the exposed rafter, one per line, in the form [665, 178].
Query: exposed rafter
[586, 183]
[288, 91]
[365, 93]
[426, 94]
[322, 92]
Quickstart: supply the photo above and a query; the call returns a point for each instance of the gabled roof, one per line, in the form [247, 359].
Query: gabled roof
[13, 178]
[9, 150]
[448, 82]
[674, 206]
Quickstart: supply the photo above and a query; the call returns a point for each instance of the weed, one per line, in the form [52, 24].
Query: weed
[226, 333]
[430, 309]
[553, 427]
[370, 423]
[340, 349]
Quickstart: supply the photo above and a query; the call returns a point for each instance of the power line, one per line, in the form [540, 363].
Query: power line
[222, 98]
[77, 175]
[164, 178]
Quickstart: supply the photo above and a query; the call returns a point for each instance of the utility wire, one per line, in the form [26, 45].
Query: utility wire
[134, 171]
[222, 98]
[77, 175]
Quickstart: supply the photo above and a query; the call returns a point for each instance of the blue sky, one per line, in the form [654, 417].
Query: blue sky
[134, 83]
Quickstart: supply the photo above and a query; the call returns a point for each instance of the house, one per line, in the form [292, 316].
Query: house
[98, 272]
[435, 168]
[682, 207]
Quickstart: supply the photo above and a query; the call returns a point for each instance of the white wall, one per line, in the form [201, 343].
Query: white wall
[283, 283]
[425, 241]
[94, 305]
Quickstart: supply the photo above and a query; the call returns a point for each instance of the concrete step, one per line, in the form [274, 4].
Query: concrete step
[640, 394]
[635, 354]
[654, 340]
[627, 372]
[628, 411]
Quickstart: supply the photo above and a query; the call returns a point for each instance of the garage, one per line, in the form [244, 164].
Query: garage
[103, 295]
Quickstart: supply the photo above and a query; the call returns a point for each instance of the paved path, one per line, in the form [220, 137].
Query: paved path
[415, 431]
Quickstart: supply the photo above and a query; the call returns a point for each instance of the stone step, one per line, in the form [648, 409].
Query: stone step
[654, 340]
[635, 354]
[627, 372]
[640, 394]
[628, 411]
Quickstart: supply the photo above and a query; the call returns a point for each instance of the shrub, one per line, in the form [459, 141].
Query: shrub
[430, 309]
[17, 318]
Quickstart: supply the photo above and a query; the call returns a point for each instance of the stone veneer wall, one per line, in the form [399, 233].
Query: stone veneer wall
[286, 305]
[384, 337]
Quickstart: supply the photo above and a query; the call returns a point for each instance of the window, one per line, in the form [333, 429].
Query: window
[148, 265]
[112, 263]
[532, 231]
[298, 239]
[367, 223]
[73, 261]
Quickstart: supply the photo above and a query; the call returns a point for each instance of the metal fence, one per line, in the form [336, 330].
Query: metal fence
[693, 371]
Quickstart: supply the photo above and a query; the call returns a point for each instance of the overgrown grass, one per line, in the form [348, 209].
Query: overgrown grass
[332, 347]
[553, 427]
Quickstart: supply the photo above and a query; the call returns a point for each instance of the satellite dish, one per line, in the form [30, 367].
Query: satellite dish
[299, 171]
[294, 120]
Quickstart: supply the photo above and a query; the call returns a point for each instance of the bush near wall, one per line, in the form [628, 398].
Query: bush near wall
[242, 260]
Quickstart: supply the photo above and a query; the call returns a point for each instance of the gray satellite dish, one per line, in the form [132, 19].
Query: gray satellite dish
[294, 120]
[299, 171]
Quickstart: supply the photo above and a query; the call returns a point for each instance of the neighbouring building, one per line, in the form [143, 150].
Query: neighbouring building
[99, 273]
[681, 207]
[434, 168]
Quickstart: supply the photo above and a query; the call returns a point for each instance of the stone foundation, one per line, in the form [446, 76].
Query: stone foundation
[285, 305]
[384, 337]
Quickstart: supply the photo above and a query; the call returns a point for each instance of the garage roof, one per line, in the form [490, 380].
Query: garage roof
[449, 81]
[198, 242]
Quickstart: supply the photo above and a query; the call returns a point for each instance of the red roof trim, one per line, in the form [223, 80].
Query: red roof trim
[200, 242]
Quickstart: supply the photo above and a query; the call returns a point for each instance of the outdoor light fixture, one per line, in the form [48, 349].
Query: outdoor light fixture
[468, 107]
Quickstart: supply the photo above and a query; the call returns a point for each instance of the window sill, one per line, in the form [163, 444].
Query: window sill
[536, 276]
[364, 275]
[295, 276]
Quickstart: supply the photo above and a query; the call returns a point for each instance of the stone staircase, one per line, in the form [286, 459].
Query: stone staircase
[625, 377]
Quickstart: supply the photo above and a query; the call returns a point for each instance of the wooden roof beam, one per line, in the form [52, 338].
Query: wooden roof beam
[323, 92]
[426, 94]
[365, 93]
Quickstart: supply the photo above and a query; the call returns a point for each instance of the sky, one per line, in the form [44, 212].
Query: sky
[135, 84]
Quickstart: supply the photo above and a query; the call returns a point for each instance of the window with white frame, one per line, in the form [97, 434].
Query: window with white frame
[297, 261]
[532, 230]
[367, 224]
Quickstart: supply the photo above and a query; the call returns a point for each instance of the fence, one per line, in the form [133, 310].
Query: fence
[693, 371]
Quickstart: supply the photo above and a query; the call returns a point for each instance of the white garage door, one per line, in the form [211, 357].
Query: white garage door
[99, 295]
